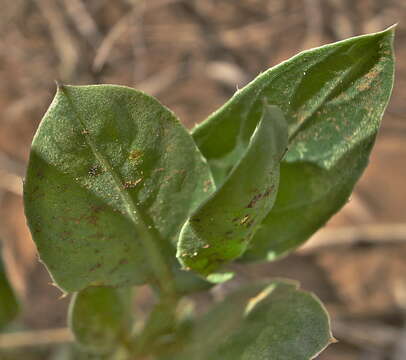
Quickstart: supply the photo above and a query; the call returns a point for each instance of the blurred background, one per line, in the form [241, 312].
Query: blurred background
[192, 55]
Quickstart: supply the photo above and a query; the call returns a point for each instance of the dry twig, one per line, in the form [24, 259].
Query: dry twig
[118, 30]
[63, 40]
[351, 235]
[35, 338]
[341, 22]
[364, 334]
[11, 172]
[159, 82]
[139, 49]
[314, 24]
[83, 21]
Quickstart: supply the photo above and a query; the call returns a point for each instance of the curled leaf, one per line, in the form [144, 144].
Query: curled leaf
[221, 229]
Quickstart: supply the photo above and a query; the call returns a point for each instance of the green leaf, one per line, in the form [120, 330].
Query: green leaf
[9, 306]
[100, 318]
[333, 98]
[221, 229]
[260, 322]
[111, 179]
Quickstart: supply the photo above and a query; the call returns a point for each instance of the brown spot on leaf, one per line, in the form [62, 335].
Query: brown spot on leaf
[40, 174]
[366, 82]
[95, 170]
[92, 219]
[254, 200]
[95, 267]
[207, 185]
[267, 192]
[260, 196]
[97, 208]
[135, 155]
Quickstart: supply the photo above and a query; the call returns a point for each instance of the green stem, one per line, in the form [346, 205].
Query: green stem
[161, 321]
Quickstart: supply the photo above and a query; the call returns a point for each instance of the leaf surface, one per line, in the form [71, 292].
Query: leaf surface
[100, 318]
[261, 322]
[8, 302]
[333, 98]
[221, 229]
[111, 174]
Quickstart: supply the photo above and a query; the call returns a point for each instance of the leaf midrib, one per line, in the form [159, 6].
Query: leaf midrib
[148, 235]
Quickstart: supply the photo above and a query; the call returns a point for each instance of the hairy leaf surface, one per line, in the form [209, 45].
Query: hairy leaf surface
[100, 318]
[221, 229]
[111, 174]
[261, 322]
[333, 98]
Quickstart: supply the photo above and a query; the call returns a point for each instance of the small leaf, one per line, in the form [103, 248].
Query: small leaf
[333, 98]
[110, 169]
[9, 306]
[221, 229]
[100, 318]
[261, 322]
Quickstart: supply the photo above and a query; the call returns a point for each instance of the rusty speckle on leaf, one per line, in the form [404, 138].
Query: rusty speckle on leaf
[207, 185]
[267, 192]
[368, 79]
[95, 170]
[93, 268]
[135, 155]
[254, 200]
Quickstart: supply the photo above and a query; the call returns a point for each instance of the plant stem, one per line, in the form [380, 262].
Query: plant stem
[161, 321]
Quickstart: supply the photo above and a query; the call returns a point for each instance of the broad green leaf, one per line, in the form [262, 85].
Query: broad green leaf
[333, 98]
[100, 318]
[8, 302]
[221, 229]
[111, 179]
[261, 322]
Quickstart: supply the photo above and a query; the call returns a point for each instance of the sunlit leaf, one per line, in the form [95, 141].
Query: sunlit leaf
[333, 98]
[221, 229]
[111, 179]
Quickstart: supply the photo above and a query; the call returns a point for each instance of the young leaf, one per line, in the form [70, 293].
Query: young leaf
[8, 302]
[112, 177]
[100, 318]
[333, 98]
[260, 322]
[220, 230]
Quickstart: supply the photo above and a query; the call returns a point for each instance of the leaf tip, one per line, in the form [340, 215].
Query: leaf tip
[332, 340]
[388, 32]
[59, 84]
[391, 28]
